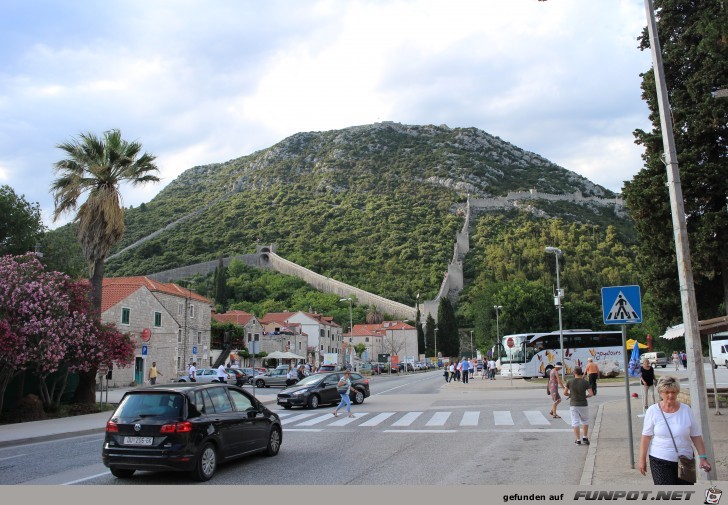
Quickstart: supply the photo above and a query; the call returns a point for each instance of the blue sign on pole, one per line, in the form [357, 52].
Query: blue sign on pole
[145, 350]
[194, 350]
[621, 305]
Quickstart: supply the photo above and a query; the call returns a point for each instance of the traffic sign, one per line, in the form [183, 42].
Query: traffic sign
[145, 349]
[146, 334]
[509, 342]
[621, 305]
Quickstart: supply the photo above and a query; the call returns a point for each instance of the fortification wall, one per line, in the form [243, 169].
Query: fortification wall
[329, 285]
[204, 268]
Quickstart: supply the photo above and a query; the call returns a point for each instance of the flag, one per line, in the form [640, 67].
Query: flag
[635, 370]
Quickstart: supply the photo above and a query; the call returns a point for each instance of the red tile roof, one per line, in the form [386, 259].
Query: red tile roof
[116, 289]
[238, 317]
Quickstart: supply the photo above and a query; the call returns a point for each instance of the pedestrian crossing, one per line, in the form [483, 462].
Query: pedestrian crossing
[526, 419]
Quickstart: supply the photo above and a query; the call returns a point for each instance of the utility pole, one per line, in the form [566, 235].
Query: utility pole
[696, 375]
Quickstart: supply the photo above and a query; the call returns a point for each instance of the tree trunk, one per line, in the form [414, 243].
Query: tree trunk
[86, 390]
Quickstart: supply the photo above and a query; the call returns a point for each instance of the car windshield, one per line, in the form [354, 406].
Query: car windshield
[142, 405]
[307, 381]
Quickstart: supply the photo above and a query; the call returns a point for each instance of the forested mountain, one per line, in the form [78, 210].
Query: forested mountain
[374, 206]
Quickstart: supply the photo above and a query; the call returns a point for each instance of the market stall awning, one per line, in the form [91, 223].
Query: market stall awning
[284, 355]
[707, 327]
[630, 344]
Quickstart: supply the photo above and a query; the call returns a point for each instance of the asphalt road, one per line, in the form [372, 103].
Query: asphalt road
[409, 432]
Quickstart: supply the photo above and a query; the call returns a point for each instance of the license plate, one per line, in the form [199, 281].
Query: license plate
[138, 440]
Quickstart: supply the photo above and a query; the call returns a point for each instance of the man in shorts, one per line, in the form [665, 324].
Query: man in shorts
[578, 390]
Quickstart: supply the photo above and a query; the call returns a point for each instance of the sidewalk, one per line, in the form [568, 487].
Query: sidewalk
[607, 460]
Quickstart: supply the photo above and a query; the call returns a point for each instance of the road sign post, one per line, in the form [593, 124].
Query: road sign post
[623, 305]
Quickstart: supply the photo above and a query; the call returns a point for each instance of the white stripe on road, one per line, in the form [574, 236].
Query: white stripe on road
[536, 417]
[377, 419]
[85, 479]
[420, 431]
[470, 419]
[407, 419]
[438, 419]
[316, 420]
[503, 418]
[11, 457]
[348, 420]
[298, 417]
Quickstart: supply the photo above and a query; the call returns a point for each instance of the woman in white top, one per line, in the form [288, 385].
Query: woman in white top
[658, 439]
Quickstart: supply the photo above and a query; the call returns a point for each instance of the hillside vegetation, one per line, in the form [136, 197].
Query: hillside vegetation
[374, 206]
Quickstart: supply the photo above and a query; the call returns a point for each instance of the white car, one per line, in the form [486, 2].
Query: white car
[206, 375]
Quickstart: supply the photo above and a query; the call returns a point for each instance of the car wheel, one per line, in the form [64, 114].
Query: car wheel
[259, 383]
[206, 463]
[274, 442]
[121, 473]
[313, 402]
[287, 407]
[181, 380]
[358, 397]
[715, 365]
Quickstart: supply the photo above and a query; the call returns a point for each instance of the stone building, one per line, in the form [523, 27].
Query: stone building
[396, 338]
[322, 334]
[168, 323]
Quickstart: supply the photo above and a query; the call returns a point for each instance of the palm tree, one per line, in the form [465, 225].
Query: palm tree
[97, 167]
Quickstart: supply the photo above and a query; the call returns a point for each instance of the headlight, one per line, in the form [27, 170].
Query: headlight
[299, 392]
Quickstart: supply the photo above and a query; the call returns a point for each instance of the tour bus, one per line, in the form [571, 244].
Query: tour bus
[719, 348]
[530, 355]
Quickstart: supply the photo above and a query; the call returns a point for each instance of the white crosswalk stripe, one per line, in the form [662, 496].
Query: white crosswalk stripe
[470, 419]
[499, 418]
[374, 421]
[438, 419]
[407, 419]
[503, 418]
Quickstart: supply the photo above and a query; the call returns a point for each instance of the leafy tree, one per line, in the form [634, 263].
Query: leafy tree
[695, 59]
[220, 282]
[47, 326]
[430, 336]
[97, 167]
[21, 224]
[448, 336]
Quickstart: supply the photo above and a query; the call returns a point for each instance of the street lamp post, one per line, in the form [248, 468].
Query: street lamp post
[351, 332]
[471, 345]
[497, 338]
[437, 361]
[557, 300]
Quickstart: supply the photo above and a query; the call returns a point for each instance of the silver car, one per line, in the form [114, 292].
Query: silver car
[206, 375]
[276, 377]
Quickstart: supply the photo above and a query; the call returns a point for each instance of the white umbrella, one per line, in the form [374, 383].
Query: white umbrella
[284, 355]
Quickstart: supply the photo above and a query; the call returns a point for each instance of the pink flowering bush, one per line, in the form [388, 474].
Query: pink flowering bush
[46, 326]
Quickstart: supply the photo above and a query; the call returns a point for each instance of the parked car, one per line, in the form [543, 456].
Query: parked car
[656, 359]
[206, 375]
[329, 368]
[378, 368]
[187, 427]
[400, 367]
[240, 377]
[276, 377]
[320, 389]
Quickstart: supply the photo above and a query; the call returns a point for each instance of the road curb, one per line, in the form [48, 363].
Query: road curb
[587, 473]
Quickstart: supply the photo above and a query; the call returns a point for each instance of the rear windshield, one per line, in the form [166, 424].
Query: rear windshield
[151, 405]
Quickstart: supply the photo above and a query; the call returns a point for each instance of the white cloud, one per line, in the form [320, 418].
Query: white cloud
[204, 83]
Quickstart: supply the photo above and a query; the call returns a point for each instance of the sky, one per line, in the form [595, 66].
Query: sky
[201, 82]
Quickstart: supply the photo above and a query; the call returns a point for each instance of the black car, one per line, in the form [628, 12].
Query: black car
[320, 389]
[187, 427]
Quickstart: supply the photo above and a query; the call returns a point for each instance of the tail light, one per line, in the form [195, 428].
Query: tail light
[112, 427]
[183, 427]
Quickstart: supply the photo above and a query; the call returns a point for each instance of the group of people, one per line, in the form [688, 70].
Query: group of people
[669, 433]
[678, 358]
[463, 370]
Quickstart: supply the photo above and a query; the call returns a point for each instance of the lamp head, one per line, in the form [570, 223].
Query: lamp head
[554, 250]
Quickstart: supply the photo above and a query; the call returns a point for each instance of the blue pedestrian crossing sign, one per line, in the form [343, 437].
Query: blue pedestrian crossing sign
[621, 305]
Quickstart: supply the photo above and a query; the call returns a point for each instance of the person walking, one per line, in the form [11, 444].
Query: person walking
[192, 372]
[492, 368]
[459, 371]
[222, 375]
[684, 359]
[648, 382]
[592, 374]
[676, 360]
[344, 388]
[153, 372]
[578, 390]
[451, 369]
[554, 384]
[670, 431]
[466, 370]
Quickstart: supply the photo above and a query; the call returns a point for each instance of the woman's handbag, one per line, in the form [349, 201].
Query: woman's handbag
[685, 466]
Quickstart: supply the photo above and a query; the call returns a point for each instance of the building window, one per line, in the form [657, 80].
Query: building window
[192, 311]
[199, 337]
[125, 315]
[179, 336]
[157, 319]
[180, 309]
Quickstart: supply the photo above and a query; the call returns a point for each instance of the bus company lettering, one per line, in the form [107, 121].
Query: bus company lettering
[602, 355]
